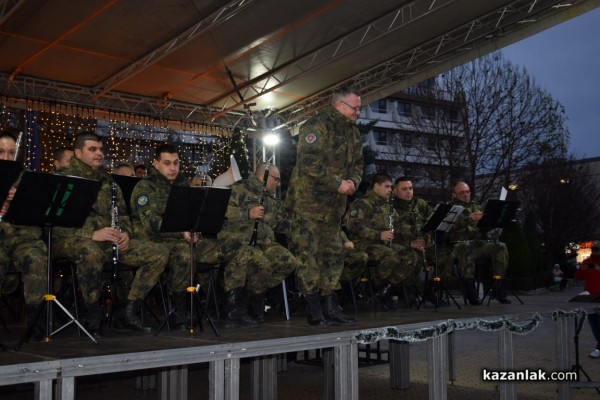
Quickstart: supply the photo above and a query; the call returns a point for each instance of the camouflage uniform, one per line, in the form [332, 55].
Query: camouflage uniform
[22, 246]
[272, 262]
[148, 203]
[329, 151]
[412, 215]
[355, 262]
[469, 244]
[76, 244]
[366, 219]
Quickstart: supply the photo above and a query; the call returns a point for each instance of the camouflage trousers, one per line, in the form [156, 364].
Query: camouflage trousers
[467, 253]
[355, 264]
[29, 257]
[245, 266]
[394, 264]
[89, 257]
[4, 261]
[318, 248]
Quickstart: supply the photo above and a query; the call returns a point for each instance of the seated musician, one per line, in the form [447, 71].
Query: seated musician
[589, 273]
[90, 246]
[469, 245]
[370, 222]
[272, 262]
[21, 248]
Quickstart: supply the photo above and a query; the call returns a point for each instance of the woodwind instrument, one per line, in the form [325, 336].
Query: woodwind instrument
[419, 237]
[391, 216]
[114, 223]
[261, 200]
[18, 145]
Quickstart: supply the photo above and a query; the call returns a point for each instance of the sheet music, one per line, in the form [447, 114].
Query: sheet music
[503, 193]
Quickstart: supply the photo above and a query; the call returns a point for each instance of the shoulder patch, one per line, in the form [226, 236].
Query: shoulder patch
[353, 212]
[311, 138]
[142, 200]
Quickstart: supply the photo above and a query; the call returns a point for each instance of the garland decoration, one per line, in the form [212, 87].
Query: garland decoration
[430, 332]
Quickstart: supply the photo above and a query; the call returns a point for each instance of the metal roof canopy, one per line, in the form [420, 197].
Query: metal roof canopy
[173, 59]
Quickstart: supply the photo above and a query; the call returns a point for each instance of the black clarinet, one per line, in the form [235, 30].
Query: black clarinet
[114, 223]
[261, 200]
[391, 216]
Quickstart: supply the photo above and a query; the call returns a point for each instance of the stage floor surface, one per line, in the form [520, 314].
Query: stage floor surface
[303, 378]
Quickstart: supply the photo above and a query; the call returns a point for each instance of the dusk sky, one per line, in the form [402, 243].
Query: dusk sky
[565, 61]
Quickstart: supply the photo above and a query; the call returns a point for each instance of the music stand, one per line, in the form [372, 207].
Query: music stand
[195, 210]
[497, 214]
[439, 222]
[52, 200]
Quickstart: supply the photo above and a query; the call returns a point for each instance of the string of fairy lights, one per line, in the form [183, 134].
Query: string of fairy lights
[127, 138]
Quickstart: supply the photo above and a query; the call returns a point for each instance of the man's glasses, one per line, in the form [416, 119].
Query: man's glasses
[275, 178]
[356, 109]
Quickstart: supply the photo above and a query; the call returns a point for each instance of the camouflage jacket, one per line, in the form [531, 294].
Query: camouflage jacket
[148, 203]
[411, 218]
[464, 228]
[100, 214]
[329, 151]
[367, 217]
[245, 194]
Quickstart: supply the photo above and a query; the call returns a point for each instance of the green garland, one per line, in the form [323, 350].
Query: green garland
[420, 335]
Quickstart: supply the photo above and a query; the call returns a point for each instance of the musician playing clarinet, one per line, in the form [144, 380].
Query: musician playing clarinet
[253, 215]
[90, 246]
[371, 224]
[469, 244]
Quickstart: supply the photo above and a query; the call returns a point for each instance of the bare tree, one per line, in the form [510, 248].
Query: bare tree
[510, 121]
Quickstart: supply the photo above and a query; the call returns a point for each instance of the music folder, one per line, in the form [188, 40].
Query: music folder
[56, 200]
[9, 172]
[195, 209]
[497, 214]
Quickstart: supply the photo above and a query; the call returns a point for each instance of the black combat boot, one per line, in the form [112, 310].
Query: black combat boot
[333, 313]
[501, 295]
[235, 310]
[178, 320]
[314, 313]
[38, 332]
[256, 307]
[94, 316]
[471, 290]
[128, 320]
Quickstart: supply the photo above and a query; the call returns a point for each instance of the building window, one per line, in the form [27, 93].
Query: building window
[379, 106]
[404, 109]
[407, 140]
[428, 112]
[380, 136]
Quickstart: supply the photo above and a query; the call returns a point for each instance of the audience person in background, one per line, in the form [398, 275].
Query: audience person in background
[559, 277]
[201, 180]
[589, 273]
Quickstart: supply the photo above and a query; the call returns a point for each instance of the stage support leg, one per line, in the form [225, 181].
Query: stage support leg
[43, 390]
[437, 370]
[508, 390]
[340, 365]
[562, 355]
[263, 372]
[224, 379]
[174, 383]
[65, 388]
[399, 365]
[282, 365]
[452, 356]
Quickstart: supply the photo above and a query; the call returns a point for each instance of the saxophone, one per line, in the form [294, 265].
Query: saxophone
[114, 223]
[391, 216]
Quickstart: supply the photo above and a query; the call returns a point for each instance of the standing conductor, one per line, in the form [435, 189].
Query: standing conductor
[328, 169]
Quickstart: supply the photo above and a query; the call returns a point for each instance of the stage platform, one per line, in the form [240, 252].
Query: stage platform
[55, 367]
